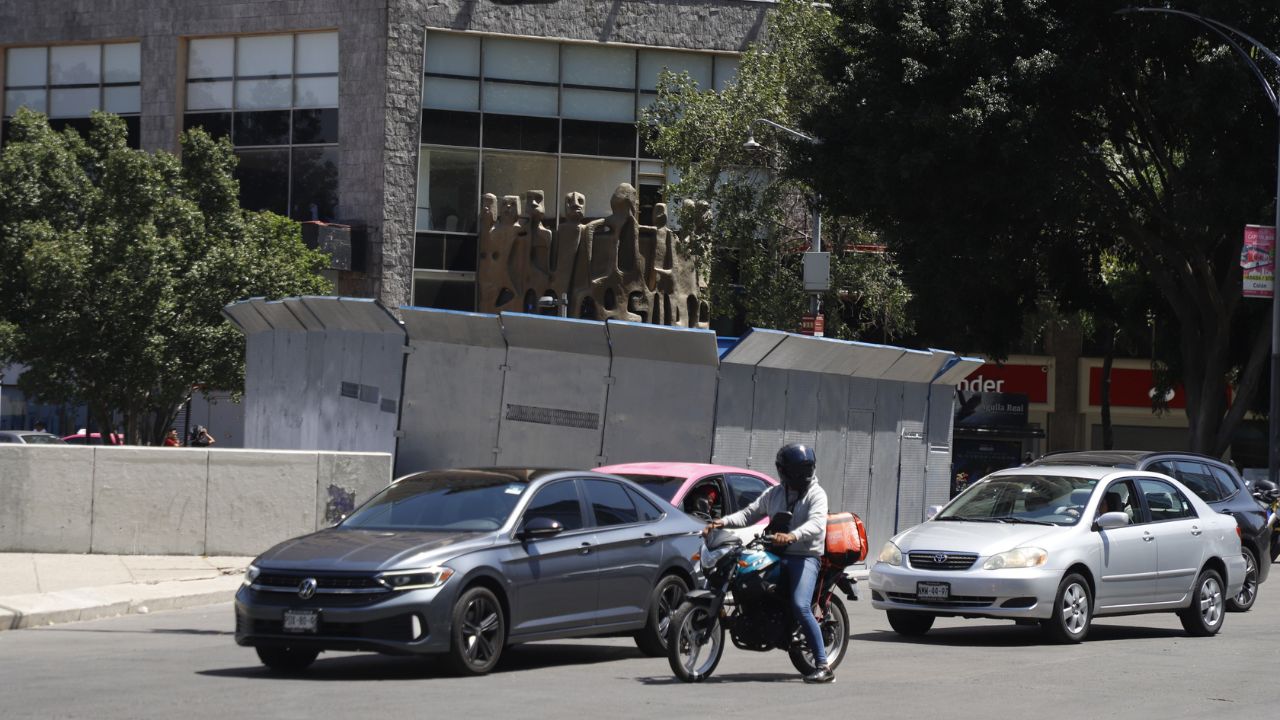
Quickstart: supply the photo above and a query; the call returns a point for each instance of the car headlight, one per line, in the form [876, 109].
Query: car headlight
[1017, 558]
[251, 573]
[415, 579]
[890, 554]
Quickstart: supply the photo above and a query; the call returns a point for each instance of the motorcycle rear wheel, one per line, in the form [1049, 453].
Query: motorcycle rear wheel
[835, 635]
[696, 643]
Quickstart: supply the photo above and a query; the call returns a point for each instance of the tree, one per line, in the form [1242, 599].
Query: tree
[1002, 146]
[759, 229]
[115, 265]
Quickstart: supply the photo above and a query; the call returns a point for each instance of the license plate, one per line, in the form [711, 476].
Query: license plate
[933, 590]
[301, 621]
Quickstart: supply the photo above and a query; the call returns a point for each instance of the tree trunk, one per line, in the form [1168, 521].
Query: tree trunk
[1108, 434]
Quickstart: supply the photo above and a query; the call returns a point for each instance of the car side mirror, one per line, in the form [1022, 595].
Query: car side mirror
[540, 527]
[932, 512]
[1111, 521]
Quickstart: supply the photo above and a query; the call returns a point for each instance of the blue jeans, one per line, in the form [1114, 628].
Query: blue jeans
[802, 578]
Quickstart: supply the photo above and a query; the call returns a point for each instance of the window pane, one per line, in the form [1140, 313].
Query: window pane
[264, 180]
[610, 503]
[652, 63]
[444, 127]
[33, 99]
[73, 102]
[648, 511]
[75, 64]
[745, 489]
[1227, 483]
[261, 128]
[26, 66]
[448, 295]
[510, 59]
[262, 94]
[211, 57]
[559, 502]
[522, 133]
[585, 137]
[460, 253]
[453, 54]
[449, 94]
[315, 183]
[428, 251]
[596, 179]
[264, 55]
[726, 70]
[519, 99]
[317, 53]
[312, 127]
[122, 100]
[1164, 501]
[447, 190]
[510, 174]
[122, 62]
[1197, 478]
[216, 124]
[209, 95]
[598, 105]
[599, 66]
[315, 92]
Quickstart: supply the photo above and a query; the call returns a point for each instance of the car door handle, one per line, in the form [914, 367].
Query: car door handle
[1195, 530]
[649, 538]
[1148, 537]
[585, 549]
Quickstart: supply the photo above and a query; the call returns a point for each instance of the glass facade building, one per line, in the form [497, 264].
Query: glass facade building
[68, 82]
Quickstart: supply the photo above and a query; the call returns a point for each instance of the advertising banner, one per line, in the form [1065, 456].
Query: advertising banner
[991, 409]
[1257, 259]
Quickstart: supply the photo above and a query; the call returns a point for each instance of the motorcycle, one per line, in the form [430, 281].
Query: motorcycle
[758, 617]
[1268, 495]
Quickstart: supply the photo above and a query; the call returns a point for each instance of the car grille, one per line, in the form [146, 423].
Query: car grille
[323, 582]
[955, 601]
[394, 629]
[924, 560]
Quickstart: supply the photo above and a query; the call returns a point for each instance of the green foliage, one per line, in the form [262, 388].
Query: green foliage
[760, 224]
[116, 264]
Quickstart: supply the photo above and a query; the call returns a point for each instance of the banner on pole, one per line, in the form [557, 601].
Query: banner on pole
[1257, 259]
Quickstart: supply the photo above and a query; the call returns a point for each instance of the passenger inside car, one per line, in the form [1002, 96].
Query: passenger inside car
[704, 502]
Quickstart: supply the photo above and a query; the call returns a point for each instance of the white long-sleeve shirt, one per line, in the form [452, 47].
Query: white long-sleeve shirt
[808, 516]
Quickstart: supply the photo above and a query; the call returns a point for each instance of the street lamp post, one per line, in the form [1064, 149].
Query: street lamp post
[1234, 37]
[819, 278]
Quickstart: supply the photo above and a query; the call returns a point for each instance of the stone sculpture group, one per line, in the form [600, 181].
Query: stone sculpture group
[609, 268]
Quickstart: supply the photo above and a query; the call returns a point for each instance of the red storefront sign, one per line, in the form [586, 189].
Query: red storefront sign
[1131, 387]
[811, 324]
[1030, 380]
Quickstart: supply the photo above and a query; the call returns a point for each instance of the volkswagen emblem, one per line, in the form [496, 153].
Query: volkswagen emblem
[938, 558]
[307, 588]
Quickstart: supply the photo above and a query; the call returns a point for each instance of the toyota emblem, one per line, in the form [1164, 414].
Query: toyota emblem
[307, 588]
[939, 558]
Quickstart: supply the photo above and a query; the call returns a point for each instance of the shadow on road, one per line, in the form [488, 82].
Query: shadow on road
[154, 631]
[1013, 635]
[726, 678]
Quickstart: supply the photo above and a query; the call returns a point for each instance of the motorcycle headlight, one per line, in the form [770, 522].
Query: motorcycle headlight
[709, 558]
[1017, 558]
[890, 554]
[251, 573]
[415, 579]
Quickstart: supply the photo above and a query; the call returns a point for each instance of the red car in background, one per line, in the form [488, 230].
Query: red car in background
[93, 439]
[706, 492]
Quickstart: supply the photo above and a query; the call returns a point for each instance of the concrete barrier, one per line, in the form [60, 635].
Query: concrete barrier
[175, 501]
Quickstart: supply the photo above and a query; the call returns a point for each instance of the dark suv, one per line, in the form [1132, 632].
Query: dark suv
[1216, 482]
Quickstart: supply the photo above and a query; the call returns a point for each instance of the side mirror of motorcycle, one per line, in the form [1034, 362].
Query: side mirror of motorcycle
[539, 527]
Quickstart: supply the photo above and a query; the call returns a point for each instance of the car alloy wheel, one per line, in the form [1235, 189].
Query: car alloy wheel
[1072, 611]
[1204, 616]
[478, 632]
[666, 597]
[1243, 602]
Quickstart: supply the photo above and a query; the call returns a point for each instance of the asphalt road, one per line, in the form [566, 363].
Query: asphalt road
[185, 664]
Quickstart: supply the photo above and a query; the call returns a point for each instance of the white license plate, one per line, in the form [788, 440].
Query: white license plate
[933, 590]
[301, 621]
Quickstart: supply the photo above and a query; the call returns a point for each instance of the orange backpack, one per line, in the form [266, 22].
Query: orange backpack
[846, 539]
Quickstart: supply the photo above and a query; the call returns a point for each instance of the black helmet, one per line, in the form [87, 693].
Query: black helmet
[796, 463]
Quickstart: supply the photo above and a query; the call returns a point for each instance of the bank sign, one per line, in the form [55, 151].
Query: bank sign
[991, 409]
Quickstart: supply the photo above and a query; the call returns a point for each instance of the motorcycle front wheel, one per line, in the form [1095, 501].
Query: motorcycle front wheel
[835, 636]
[696, 642]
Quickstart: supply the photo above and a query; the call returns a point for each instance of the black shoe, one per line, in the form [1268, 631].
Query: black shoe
[821, 675]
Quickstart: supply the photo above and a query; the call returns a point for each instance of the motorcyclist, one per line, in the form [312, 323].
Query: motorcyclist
[803, 542]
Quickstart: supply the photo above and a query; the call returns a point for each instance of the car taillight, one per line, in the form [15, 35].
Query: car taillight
[1238, 533]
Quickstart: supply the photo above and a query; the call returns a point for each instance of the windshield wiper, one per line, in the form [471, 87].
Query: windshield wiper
[1012, 519]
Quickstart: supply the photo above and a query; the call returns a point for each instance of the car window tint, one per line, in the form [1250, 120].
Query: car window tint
[745, 489]
[1120, 497]
[664, 486]
[1197, 478]
[1230, 486]
[7, 439]
[648, 511]
[1164, 502]
[1164, 466]
[610, 503]
[557, 501]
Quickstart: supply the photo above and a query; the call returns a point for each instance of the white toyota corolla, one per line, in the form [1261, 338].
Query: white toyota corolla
[1061, 545]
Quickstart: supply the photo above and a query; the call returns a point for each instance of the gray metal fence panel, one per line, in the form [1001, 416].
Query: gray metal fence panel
[452, 390]
[735, 401]
[883, 494]
[859, 451]
[768, 419]
[662, 398]
[913, 454]
[753, 347]
[941, 414]
[555, 392]
[802, 408]
[833, 402]
[862, 393]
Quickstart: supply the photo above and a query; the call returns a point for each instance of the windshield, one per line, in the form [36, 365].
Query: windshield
[663, 486]
[35, 439]
[1036, 499]
[457, 501]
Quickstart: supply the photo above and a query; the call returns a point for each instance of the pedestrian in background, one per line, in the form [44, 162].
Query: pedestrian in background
[200, 437]
[171, 439]
[39, 426]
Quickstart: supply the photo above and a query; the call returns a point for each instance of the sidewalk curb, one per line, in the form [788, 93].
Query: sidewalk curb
[27, 611]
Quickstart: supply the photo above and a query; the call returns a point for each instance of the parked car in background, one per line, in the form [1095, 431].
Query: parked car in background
[28, 437]
[466, 562]
[1060, 545]
[94, 439]
[707, 492]
[1215, 482]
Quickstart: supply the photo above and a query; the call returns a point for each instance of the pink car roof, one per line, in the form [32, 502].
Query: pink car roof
[687, 470]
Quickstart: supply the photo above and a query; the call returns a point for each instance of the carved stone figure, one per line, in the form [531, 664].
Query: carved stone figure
[534, 277]
[614, 268]
[658, 245]
[689, 277]
[567, 237]
[497, 291]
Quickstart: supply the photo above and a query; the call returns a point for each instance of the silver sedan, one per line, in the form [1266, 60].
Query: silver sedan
[1061, 545]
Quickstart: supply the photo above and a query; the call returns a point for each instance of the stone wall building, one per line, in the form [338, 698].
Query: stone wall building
[394, 116]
